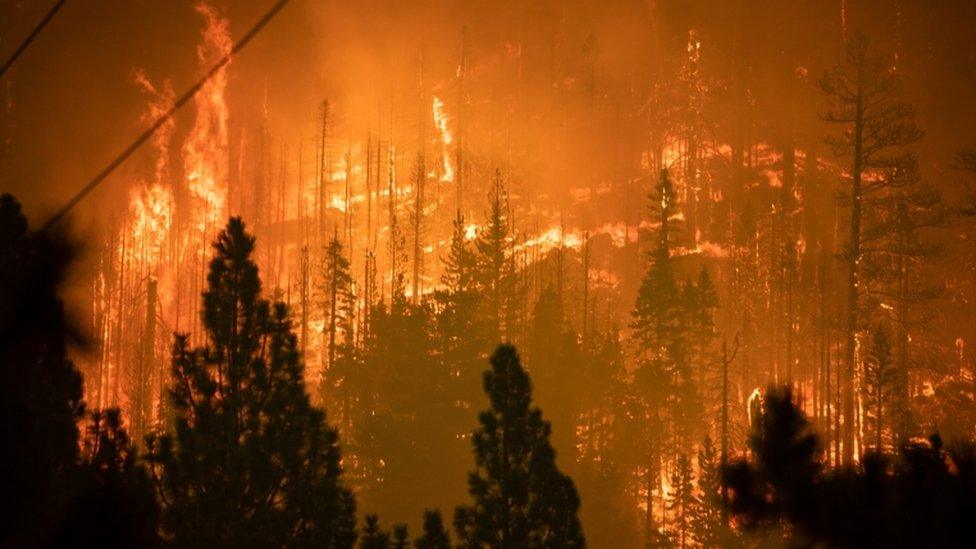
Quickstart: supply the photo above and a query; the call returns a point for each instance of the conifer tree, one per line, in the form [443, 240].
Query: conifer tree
[114, 503]
[661, 355]
[682, 501]
[337, 300]
[374, 537]
[880, 381]
[521, 499]
[460, 329]
[435, 535]
[401, 537]
[250, 460]
[341, 364]
[493, 244]
[707, 522]
[873, 127]
[41, 394]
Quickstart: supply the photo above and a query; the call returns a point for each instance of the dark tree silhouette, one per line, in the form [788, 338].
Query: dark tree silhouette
[521, 499]
[925, 497]
[435, 536]
[401, 536]
[374, 537]
[115, 503]
[251, 461]
[492, 244]
[681, 501]
[707, 521]
[40, 397]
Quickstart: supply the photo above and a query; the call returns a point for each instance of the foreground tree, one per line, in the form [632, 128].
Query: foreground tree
[250, 460]
[40, 397]
[435, 536]
[114, 504]
[923, 497]
[374, 537]
[521, 499]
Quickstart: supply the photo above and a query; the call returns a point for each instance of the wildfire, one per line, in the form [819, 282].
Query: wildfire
[151, 208]
[205, 152]
[440, 122]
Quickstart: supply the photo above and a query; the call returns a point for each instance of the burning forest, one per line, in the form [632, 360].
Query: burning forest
[514, 274]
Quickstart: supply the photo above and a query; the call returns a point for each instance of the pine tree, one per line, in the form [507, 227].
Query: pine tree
[873, 128]
[880, 380]
[41, 393]
[460, 335]
[894, 250]
[405, 415]
[521, 499]
[250, 461]
[682, 501]
[707, 521]
[435, 535]
[337, 299]
[661, 356]
[342, 363]
[493, 244]
[374, 537]
[114, 503]
[657, 312]
[401, 537]
[460, 329]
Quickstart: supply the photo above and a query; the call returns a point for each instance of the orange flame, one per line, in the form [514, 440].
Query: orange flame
[440, 121]
[205, 152]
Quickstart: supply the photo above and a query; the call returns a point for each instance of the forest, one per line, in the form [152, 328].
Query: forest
[524, 274]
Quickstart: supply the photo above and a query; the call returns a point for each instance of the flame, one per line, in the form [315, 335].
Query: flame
[205, 156]
[152, 210]
[151, 206]
[440, 122]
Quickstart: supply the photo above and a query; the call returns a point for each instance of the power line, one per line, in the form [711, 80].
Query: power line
[125, 154]
[30, 37]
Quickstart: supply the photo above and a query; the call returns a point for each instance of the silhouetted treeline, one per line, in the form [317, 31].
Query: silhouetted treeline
[244, 458]
[69, 477]
[925, 496]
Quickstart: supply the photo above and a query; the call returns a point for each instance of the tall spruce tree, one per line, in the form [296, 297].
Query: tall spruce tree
[661, 355]
[250, 460]
[492, 244]
[521, 499]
